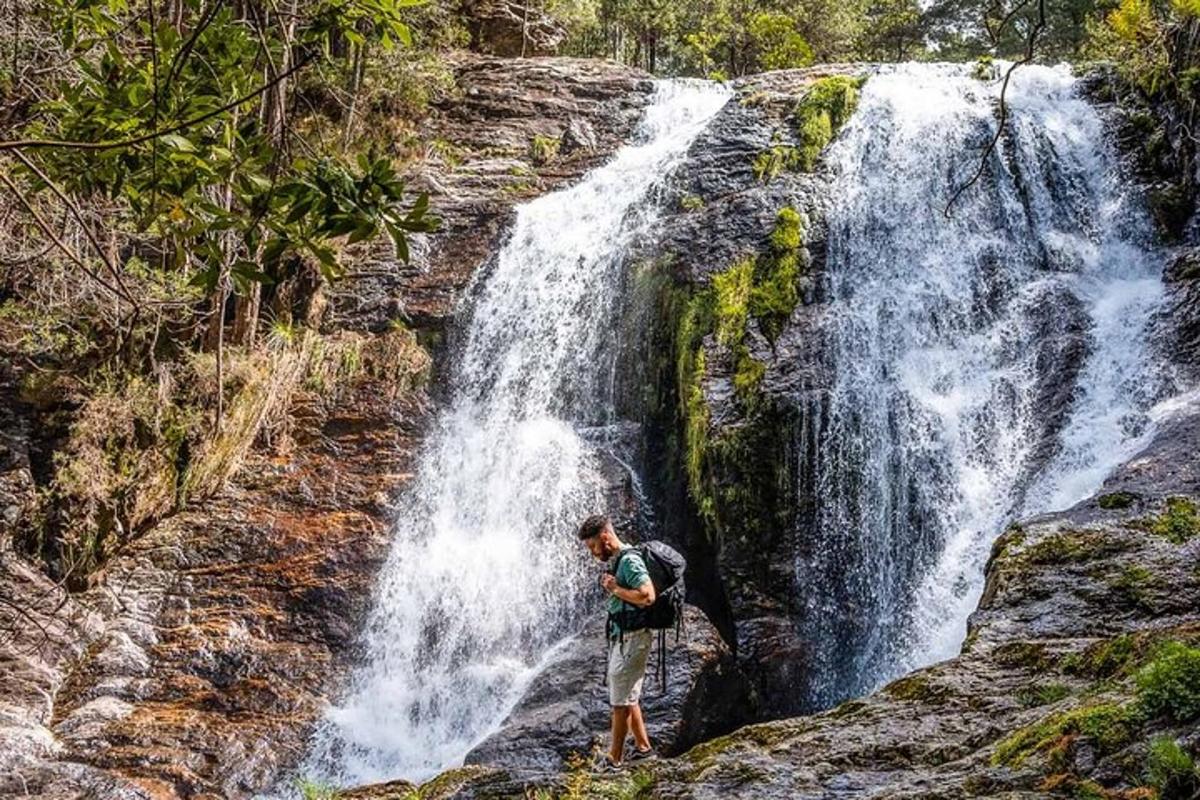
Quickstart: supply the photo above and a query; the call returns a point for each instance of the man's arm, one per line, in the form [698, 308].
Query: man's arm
[641, 597]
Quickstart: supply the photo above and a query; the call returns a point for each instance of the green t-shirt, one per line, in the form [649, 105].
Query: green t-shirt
[631, 573]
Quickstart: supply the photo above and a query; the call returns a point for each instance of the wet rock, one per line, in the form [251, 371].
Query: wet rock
[579, 135]
[1181, 314]
[565, 710]
[726, 208]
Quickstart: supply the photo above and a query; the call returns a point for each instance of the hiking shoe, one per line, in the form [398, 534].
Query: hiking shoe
[641, 755]
[606, 764]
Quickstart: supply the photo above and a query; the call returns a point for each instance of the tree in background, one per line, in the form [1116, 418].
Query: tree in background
[776, 42]
[892, 30]
[966, 29]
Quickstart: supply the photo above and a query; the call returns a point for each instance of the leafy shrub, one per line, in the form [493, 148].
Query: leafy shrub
[1169, 685]
[1171, 771]
[1179, 523]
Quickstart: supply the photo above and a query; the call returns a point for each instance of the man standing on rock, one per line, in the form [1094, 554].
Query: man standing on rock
[627, 581]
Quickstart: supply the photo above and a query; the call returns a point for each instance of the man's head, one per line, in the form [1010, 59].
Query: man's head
[597, 533]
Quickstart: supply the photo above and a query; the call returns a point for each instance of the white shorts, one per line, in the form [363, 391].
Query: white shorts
[627, 667]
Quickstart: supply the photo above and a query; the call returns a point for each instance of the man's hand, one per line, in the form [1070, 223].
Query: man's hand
[642, 596]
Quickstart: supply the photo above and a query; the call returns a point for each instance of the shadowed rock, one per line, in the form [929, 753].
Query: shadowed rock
[565, 710]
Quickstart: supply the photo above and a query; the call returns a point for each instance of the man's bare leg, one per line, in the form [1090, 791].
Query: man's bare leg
[638, 726]
[620, 726]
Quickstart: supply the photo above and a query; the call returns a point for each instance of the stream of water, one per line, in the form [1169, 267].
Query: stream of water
[486, 573]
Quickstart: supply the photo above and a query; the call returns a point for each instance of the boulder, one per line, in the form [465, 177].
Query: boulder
[565, 709]
[512, 28]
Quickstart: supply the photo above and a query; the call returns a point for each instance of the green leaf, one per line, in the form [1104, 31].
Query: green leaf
[178, 142]
[363, 231]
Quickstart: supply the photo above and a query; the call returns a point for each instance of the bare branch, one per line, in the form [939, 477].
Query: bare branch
[75, 212]
[1030, 46]
[52, 236]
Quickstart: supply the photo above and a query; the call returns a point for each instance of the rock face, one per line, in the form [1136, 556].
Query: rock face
[217, 632]
[565, 710]
[514, 129]
[196, 663]
[513, 29]
[742, 463]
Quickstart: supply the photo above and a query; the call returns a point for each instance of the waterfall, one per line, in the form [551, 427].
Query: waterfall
[989, 365]
[485, 574]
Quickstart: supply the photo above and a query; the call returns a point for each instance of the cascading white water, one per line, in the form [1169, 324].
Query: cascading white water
[988, 365]
[485, 573]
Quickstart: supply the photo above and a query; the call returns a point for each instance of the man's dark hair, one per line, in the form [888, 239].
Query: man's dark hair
[594, 525]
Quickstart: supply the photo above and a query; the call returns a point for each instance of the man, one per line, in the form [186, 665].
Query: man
[629, 588]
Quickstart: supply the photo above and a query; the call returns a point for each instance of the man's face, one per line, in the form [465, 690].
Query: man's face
[600, 546]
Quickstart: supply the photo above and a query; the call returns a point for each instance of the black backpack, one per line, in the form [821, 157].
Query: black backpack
[666, 567]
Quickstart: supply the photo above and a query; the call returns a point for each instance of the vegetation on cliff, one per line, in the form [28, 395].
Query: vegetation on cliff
[180, 180]
[727, 470]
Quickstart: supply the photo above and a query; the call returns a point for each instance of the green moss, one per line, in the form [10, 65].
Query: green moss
[748, 375]
[1110, 727]
[821, 113]
[789, 231]
[544, 149]
[1116, 500]
[1135, 585]
[1042, 694]
[691, 202]
[733, 475]
[1103, 659]
[917, 688]
[1031, 655]
[1071, 547]
[775, 293]
[772, 162]
[1089, 790]
[1171, 770]
[1180, 523]
[1169, 684]
[732, 288]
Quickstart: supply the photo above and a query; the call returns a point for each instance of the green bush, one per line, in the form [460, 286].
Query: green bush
[1179, 523]
[1171, 771]
[1169, 685]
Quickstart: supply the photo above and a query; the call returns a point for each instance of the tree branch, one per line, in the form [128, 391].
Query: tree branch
[30, 144]
[41, 223]
[78, 215]
[1030, 46]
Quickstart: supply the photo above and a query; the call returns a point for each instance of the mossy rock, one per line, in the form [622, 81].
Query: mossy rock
[1031, 655]
[1116, 500]
[918, 688]
[1180, 523]
[1110, 726]
[1071, 547]
[821, 113]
